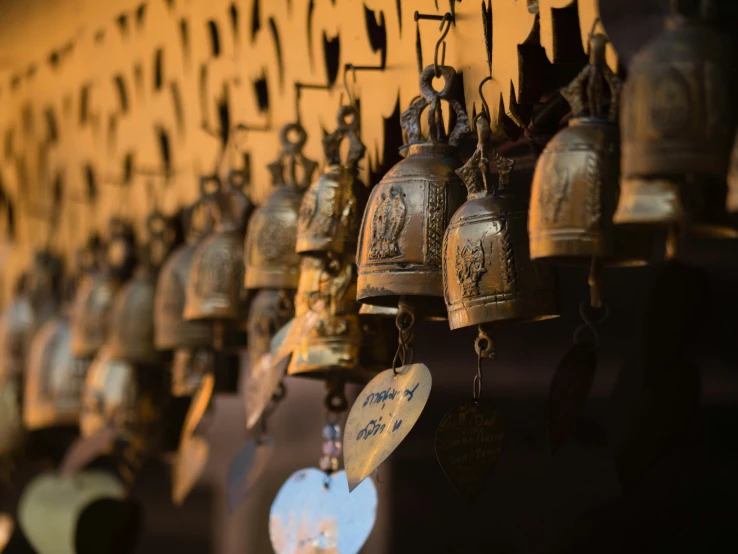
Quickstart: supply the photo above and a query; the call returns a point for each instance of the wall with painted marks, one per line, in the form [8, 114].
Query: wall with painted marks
[156, 86]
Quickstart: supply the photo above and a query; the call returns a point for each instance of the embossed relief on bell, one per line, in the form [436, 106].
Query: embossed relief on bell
[487, 270]
[401, 238]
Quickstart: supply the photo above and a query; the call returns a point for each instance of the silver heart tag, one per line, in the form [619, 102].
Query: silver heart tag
[247, 467]
[314, 512]
[382, 416]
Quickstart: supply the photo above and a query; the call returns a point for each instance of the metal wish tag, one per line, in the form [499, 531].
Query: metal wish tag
[469, 443]
[192, 457]
[382, 416]
[199, 405]
[85, 449]
[262, 382]
[314, 512]
[7, 526]
[247, 467]
[569, 390]
[289, 337]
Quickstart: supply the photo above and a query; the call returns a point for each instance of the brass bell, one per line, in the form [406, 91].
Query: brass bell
[109, 265]
[401, 238]
[215, 285]
[109, 394]
[270, 257]
[575, 184]
[171, 330]
[53, 379]
[44, 285]
[271, 309]
[332, 350]
[16, 332]
[331, 208]
[487, 271]
[677, 123]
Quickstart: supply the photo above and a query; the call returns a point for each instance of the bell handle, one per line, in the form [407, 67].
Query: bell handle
[347, 129]
[291, 158]
[431, 99]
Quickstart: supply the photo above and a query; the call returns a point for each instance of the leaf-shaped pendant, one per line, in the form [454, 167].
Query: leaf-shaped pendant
[568, 393]
[246, 467]
[189, 465]
[382, 416]
[469, 443]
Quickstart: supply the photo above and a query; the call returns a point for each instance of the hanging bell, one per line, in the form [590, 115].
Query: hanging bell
[271, 309]
[171, 330]
[401, 236]
[677, 121]
[215, 286]
[575, 184]
[328, 222]
[53, 379]
[487, 270]
[109, 394]
[44, 285]
[16, 332]
[332, 350]
[271, 260]
[110, 265]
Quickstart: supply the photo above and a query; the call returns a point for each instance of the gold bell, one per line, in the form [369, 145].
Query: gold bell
[575, 184]
[215, 285]
[109, 395]
[331, 208]
[108, 267]
[271, 260]
[333, 348]
[271, 309]
[677, 121]
[53, 379]
[171, 330]
[487, 270]
[401, 236]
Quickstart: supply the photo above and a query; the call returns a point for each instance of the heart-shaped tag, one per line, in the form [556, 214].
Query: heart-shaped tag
[85, 449]
[314, 512]
[469, 443]
[247, 467]
[382, 416]
[568, 393]
[189, 464]
[262, 381]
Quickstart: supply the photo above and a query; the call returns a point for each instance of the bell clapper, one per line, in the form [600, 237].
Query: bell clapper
[672, 243]
[595, 281]
[484, 345]
[405, 322]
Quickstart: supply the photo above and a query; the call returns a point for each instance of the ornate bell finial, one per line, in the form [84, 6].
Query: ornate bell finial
[677, 123]
[488, 274]
[331, 208]
[400, 244]
[270, 257]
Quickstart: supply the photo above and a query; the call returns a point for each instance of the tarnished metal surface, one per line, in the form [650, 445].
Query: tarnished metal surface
[53, 378]
[270, 257]
[677, 123]
[90, 315]
[381, 417]
[331, 208]
[401, 237]
[487, 271]
[468, 444]
[575, 186]
[171, 330]
[314, 512]
[131, 336]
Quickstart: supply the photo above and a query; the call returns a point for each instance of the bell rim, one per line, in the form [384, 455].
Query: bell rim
[276, 278]
[539, 305]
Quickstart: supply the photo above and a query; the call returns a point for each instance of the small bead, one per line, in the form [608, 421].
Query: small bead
[325, 463]
[331, 432]
[331, 448]
[337, 448]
